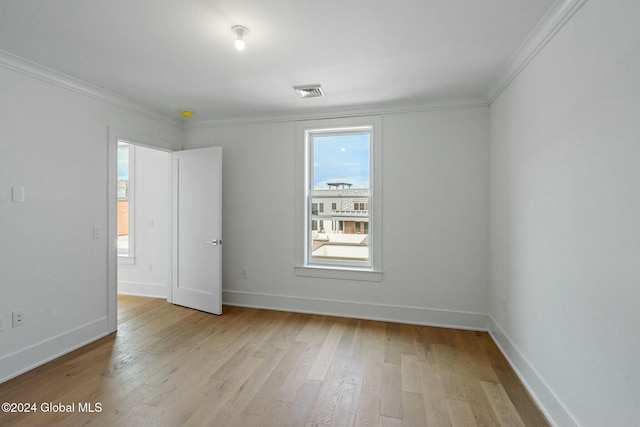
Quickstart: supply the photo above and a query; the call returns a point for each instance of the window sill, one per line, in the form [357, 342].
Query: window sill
[126, 260]
[339, 273]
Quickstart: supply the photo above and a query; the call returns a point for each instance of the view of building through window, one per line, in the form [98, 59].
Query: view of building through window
[123, 190]
[340, 196]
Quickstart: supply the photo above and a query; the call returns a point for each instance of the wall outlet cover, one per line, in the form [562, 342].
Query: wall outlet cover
[18, 318]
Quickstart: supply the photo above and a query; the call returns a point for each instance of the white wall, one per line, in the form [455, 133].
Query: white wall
[53, 141]
[565, 215]
[150, 275]
[435, 180]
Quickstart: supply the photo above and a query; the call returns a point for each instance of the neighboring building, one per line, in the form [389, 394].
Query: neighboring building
[340, 210]
[123, 207]
[340, 222]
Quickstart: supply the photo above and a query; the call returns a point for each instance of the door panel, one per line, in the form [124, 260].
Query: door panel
[197, 231]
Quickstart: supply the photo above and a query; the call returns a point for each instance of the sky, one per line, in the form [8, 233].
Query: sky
[341, 158]
[123, 163]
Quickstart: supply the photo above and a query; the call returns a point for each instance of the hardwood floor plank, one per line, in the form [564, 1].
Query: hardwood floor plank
[391, 397]
[183, 411]
[393, 343]
[325, 356]
[413, 410]
[173, 366]
[435, 402]
[347, 405]
[304, 403]
[371, 334]
[229, 413]
[502, 406]
[278, 413]
[265, 397]
[251, 420]
[518, 395]
[461, 414]
[217, 398]
[346, 346]
[340, 386]
[479, 365]
[436, 410]
[390, 422]
[297, 376]
[314, 323]
[411, 373]
[285, 333]
[368, 412]
[480, 405]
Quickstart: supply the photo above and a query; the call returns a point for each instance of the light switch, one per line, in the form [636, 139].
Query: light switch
[17, 194]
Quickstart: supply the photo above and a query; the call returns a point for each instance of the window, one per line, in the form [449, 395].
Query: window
[125, 206]
[339, 163]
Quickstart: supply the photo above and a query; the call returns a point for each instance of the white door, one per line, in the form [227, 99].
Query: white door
[197, 231]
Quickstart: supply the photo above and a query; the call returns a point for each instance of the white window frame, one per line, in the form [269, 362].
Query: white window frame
[371, 271]
[129, 257]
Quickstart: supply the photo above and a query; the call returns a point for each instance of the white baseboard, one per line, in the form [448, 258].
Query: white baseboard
[556, 413]
[359, 310]
[153, 290]
[40, 353]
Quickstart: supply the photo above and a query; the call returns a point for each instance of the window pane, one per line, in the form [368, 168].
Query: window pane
[123, 199]
[341, 177]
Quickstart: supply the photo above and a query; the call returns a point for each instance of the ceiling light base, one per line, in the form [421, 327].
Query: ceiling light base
[240, 31]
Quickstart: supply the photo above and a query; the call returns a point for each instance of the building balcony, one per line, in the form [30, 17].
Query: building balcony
[350, 214]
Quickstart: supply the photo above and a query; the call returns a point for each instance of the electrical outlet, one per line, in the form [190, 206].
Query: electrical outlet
[18, 318]
[245, 272]
[504, 304]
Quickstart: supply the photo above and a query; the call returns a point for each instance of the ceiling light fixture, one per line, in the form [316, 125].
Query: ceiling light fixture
[240, 31]
[187, 114]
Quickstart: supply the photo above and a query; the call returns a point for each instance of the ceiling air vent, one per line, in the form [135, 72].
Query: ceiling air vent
[314, 91]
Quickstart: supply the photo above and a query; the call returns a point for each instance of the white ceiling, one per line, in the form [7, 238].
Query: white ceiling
[170, 55]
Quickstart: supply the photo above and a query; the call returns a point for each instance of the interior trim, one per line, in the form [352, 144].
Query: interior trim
[359, 310]
[49, 75]
[48, 349]
[559, 14]
[551, 406]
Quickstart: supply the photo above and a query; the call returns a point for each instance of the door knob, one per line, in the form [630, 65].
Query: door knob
[214, 242]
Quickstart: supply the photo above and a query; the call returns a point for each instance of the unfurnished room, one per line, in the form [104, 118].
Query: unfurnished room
[331, 213]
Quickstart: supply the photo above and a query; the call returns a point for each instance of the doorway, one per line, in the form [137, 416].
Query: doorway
[139, 218]
[143, 220]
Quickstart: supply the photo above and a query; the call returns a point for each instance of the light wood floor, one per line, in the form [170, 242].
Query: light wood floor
[172, 366]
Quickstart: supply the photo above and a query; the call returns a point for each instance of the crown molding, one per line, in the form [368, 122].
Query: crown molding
[32, 69]
[331, 113]
[559, 14]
